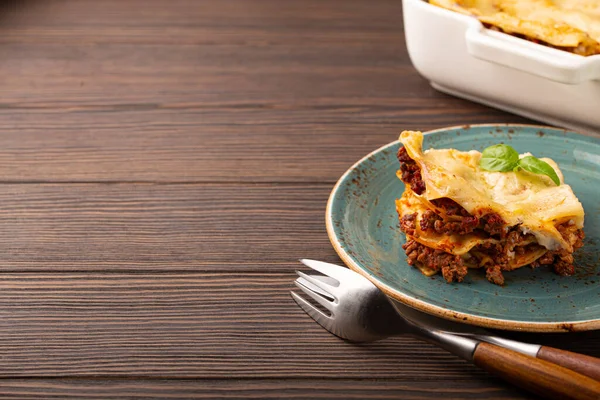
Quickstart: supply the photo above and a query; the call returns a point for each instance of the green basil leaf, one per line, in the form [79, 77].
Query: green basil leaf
[537, 166]
[499, 157]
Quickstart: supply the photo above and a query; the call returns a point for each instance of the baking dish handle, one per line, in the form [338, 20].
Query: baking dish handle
[532, 58]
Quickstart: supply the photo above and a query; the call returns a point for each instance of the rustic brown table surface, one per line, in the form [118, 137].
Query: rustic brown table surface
[163, 165]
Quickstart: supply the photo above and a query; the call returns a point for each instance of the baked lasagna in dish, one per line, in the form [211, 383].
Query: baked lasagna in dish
[570, 25]
[457, 216]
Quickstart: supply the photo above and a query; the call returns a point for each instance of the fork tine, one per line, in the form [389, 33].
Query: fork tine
[335, 271]
[316, 314]
[316, 297]
[320, 318]
[315, 288]
[330, 290]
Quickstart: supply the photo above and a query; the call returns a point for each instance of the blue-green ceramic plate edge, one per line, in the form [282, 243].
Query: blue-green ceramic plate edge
[424, 305]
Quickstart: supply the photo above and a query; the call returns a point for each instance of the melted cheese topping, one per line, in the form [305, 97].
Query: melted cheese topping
[573, 24]
[521, 198]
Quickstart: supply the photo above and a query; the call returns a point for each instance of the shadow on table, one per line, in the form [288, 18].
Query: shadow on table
[10, 8]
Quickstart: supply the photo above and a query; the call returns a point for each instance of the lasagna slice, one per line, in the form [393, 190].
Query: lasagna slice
[457, 216]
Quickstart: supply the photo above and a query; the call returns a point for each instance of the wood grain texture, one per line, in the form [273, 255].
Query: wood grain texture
[219, 20]
[189, 326]
[586, 365]
[220, 326]
[240, 91]
[212, 143]
[162, 227]
[536, 375]
[24, 389]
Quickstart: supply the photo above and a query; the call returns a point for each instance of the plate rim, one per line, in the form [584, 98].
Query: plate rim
[421, 305]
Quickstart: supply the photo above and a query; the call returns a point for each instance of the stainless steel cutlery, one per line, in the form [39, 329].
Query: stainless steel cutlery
[353, 308]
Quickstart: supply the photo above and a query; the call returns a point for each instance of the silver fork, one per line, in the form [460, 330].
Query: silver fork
[359, 311]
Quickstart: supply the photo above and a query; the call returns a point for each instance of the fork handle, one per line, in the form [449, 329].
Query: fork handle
[586, 365]
[534, 374]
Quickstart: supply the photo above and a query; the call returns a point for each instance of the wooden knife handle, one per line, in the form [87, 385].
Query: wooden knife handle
[536, 375]
[585, 365]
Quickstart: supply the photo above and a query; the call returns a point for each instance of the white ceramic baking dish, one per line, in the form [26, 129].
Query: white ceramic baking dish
[460, 57]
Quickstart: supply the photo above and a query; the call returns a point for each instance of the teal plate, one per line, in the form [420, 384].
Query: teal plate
[362, 225]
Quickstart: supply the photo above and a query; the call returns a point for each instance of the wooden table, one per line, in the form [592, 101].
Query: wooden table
[163, 166]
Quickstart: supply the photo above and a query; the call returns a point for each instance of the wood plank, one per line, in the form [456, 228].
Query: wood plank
[179, 22]
[24, 389]
[73, 75]
[220, 326]
[308, 143]
[153, 76]
[192, 325]
[143, 227]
